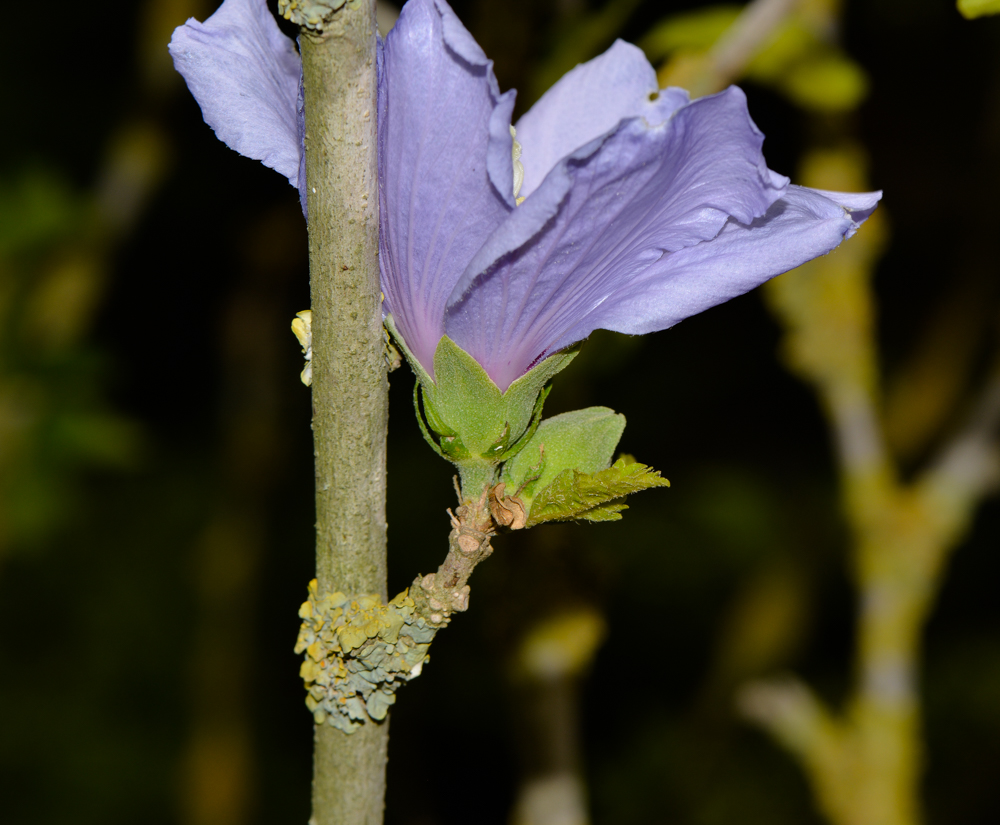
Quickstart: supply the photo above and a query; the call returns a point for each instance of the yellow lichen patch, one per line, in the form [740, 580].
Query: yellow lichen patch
[302, 327]
[310, 14]
[358, 651]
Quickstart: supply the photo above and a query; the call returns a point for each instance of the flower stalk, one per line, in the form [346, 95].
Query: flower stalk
[350, 401]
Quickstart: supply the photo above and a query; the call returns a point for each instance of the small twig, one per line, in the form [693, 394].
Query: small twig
[860, 444]
[438, 595]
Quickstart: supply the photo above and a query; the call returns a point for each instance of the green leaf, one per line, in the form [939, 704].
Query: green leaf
[978, 8]
[591, 496]
[583, 440]
[607, 512]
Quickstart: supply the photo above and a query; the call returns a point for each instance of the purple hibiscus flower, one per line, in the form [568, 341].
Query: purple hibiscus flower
[637, 207]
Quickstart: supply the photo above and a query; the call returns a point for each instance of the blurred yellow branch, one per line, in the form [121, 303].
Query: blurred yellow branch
[787, 45]
[865, 764]
[729, 57]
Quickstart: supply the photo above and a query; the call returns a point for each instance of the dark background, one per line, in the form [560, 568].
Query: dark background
[155, 597]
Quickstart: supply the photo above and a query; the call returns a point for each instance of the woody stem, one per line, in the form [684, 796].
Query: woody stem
[350, 400]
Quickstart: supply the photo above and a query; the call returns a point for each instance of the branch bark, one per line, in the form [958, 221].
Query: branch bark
[350, 402]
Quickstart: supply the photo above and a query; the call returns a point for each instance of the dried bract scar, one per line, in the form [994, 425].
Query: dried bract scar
[507, 511]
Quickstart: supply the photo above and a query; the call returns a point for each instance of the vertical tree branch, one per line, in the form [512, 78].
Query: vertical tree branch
[350, 403]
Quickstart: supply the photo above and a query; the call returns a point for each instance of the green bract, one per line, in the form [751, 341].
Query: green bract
[582, 440]
[562, 473]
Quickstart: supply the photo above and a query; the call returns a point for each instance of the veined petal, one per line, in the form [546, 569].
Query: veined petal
[587, 102]
[245, 73]
[445, 168]
[600, 220]
[802, 225]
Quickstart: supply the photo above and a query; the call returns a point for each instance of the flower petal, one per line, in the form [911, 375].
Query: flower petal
[859, 204]
[603, 217]
[803, 225]
[245, 73]
[445, 168]
[587, 102]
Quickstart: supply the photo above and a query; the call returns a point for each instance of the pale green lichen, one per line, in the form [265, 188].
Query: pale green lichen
[310, 14]
[358, 653]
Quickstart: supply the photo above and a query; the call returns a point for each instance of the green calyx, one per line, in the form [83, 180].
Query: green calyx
[465, 416]
[535, 471]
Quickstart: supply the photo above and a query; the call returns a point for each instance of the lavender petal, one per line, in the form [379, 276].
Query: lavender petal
[602, 218]
[245, 73]
[445, 169]
[587, 102]
[802, 225]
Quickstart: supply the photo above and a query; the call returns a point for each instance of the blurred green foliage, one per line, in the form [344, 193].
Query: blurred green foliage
[53, 421]
[978, 8]
[796, 59]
